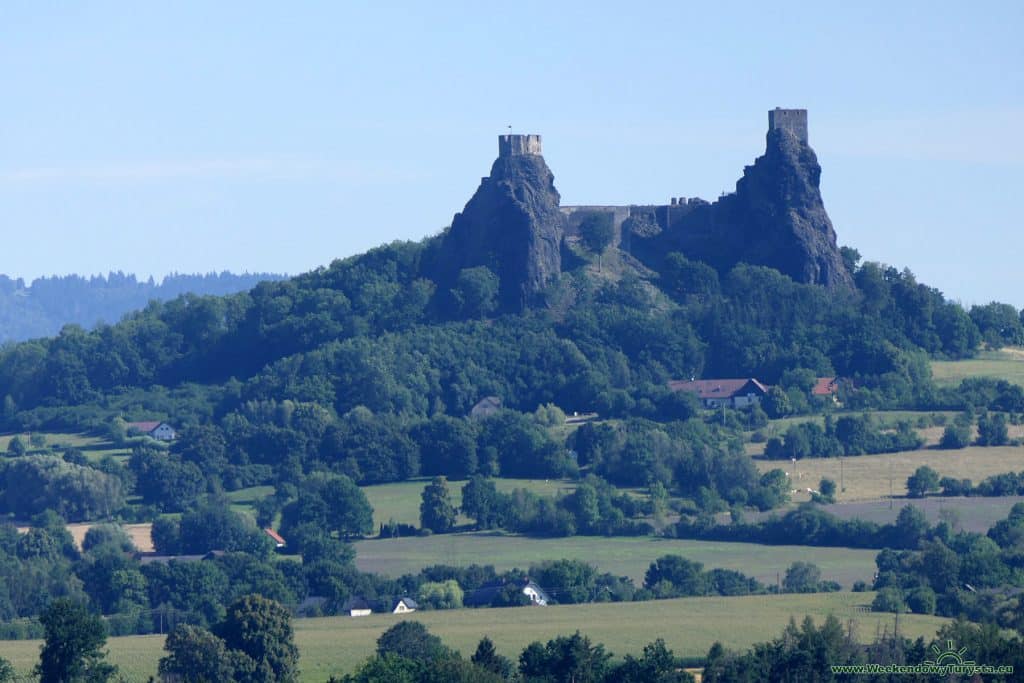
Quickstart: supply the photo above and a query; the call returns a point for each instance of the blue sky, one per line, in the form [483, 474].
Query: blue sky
[159, 137]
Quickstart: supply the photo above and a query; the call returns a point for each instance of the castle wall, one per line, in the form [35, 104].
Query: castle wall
[574, 216]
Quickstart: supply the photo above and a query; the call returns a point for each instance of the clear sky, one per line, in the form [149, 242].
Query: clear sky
[270, 136]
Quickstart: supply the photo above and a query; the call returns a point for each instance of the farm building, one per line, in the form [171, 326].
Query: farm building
[715, 393]
[278, 540]
[161, 431]
[356, 607]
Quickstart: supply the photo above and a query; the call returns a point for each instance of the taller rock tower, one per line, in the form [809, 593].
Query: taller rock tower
[775, 218]
[511, 224]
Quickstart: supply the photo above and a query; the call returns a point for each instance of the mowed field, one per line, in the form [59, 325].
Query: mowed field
[336, 645]
[1007, 363]
[93, 447]
[975, 513]
[866, 477]
[622, 556]
[401, 501]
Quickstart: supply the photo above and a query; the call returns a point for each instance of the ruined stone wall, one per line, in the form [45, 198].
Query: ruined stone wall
[575, 214]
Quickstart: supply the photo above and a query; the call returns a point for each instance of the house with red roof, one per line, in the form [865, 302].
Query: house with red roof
[715, 393]
[161, 431]
[826, 388]
[278, 540]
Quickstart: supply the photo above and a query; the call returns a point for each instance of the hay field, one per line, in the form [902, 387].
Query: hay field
[337, 645]
[622, 556]
[866, 477]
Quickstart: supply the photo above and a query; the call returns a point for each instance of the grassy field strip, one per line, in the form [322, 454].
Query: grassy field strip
[401, 501]
[1005, 364]
[622, 556]
[333, 645]
[866, 477]
[975, 513]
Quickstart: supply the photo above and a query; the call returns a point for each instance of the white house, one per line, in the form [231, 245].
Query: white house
[356, 607]
[714, 393]
[404, 606]
[535, 593]
[161, 431]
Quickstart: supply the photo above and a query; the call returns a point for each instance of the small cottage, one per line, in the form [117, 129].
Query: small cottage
[404, 606]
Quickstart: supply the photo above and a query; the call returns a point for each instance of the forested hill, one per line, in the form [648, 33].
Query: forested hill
[42, 307]
[370, 367]
[514, 302]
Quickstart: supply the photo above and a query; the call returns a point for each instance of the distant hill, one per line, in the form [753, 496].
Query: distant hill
[43, 307]
[593, 309]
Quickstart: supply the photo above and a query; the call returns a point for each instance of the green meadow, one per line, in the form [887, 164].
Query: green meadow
[622, 556]
[336, 645]
[1007, 363]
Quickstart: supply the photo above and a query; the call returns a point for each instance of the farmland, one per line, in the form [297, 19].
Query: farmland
[333, 645]
[975, 513]
[866, 477]
[622, 556]
[1007, 363]
[94, 447]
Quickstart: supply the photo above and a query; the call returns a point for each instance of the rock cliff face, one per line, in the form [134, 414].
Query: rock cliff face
[512, 225]
[775, 218]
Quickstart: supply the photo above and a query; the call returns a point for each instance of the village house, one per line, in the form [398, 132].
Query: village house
[404, 606]
[826, 389]
[161, 431]
[715, 393]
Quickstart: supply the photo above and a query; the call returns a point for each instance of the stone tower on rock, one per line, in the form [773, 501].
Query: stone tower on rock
[775, 218]
[511, 225]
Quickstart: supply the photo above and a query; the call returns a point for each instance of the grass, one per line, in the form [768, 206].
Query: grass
[622, 556]
[337, 645]
[401, 501]
[866, 477]
[94, 447]
[244, 500]
[975, 513]
[1007, 363]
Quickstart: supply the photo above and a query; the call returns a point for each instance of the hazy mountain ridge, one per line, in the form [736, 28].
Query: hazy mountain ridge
[43, 306]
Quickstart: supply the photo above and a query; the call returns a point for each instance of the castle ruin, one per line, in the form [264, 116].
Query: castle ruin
[663, 215]
[513, 145]
[793, 120]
